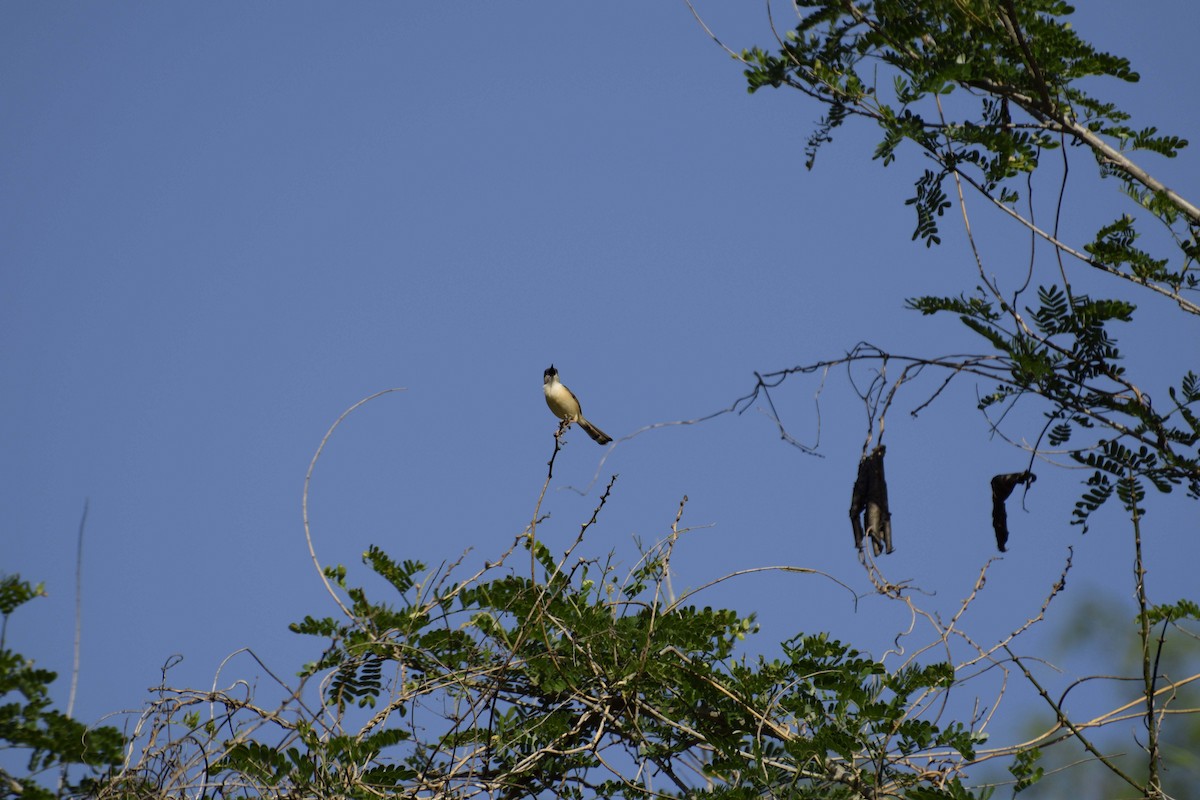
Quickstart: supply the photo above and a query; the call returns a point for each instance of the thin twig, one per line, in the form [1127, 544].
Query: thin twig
[78, 609]
[308, 481]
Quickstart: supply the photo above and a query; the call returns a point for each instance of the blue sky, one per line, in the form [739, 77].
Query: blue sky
[222, 224]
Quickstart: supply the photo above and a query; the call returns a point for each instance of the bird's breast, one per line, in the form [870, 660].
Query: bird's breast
[561, 401]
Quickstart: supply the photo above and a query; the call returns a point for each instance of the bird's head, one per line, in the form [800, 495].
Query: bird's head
[550, 374]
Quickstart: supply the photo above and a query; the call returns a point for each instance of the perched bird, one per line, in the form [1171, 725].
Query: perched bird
[565, 405]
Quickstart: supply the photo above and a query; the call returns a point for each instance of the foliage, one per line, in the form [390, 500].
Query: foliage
[577, 682]
[28, 723]
[985, 89]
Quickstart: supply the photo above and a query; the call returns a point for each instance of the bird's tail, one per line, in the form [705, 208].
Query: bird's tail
[598, 435]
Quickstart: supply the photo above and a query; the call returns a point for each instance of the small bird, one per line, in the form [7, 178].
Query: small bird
[565, 405]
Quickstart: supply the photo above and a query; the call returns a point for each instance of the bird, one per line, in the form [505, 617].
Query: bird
[565, 405]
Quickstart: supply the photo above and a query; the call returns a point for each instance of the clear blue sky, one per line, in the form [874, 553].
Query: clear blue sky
[222, 224]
